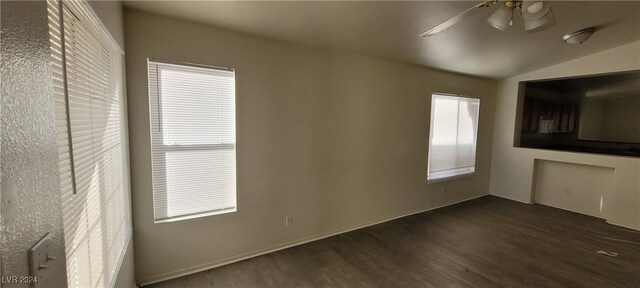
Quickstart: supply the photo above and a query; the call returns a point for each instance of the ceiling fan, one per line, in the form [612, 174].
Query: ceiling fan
[537, 16]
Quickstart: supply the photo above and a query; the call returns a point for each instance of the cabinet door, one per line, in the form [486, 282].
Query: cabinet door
[564, 118]
[572, 118]
[556, 115]
[535, 115]
[526, 116]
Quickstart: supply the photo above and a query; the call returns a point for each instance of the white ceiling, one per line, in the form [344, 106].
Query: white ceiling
[390, 30]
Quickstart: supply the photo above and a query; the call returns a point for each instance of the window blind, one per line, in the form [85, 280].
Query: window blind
[453, 135]
[87, 78]
[192, 114]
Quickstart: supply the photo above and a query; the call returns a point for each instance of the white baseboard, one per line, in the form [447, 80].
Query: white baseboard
[562, 207]
[625, 225]
[512, 198]
[210, 265]
[621, 224]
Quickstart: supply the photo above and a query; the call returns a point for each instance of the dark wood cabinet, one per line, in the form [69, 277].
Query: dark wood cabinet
[542, 116]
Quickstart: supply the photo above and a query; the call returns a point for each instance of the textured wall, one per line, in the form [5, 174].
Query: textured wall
[29, 156]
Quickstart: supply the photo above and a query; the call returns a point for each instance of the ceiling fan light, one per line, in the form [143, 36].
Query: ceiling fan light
[532, 10]
[501, 18]
[578, 37]
[541, 23]
[535, 7]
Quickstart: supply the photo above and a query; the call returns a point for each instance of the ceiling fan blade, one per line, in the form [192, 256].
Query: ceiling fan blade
[446, 24]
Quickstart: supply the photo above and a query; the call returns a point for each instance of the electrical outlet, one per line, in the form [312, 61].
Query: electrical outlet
[288, 221]
[442, 188]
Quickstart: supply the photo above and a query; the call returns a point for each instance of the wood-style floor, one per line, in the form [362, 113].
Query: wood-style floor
[486, 242]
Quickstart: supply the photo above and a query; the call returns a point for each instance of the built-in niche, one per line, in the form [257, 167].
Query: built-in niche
[591, 114]
[574, 187]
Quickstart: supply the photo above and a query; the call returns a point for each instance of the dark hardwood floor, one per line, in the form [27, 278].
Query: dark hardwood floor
[486, 242]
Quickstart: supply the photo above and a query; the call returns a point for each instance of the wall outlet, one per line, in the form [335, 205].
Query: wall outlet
[288, 221]
[442, 188]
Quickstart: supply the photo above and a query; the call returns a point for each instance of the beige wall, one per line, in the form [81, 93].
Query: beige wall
[513, 169]
[591, 119]
[336, 140]
[617, 126]
[110, 13]
[126, 277]
[608, 119]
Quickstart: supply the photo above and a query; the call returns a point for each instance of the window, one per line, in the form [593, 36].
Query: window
[193, 140]
[92, 142]
[452, 137]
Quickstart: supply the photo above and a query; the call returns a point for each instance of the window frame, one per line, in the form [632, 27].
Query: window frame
[176, 147]
[431, 123]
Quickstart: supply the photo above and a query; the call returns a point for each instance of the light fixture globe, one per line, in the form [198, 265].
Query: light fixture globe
[540, 24]
[501, 18]
[533, 10]
[535, 7]
[579, 36]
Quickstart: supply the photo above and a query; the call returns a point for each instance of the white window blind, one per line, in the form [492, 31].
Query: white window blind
[192, 111]
[87, 78]
[453, 135]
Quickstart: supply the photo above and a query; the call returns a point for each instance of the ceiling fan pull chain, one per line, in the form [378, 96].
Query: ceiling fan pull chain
[511, 20]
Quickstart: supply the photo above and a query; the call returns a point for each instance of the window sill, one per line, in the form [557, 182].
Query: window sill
[450, 178]
[194, 216]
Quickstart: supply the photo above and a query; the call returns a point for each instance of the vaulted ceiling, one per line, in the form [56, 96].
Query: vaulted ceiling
[390, 30]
